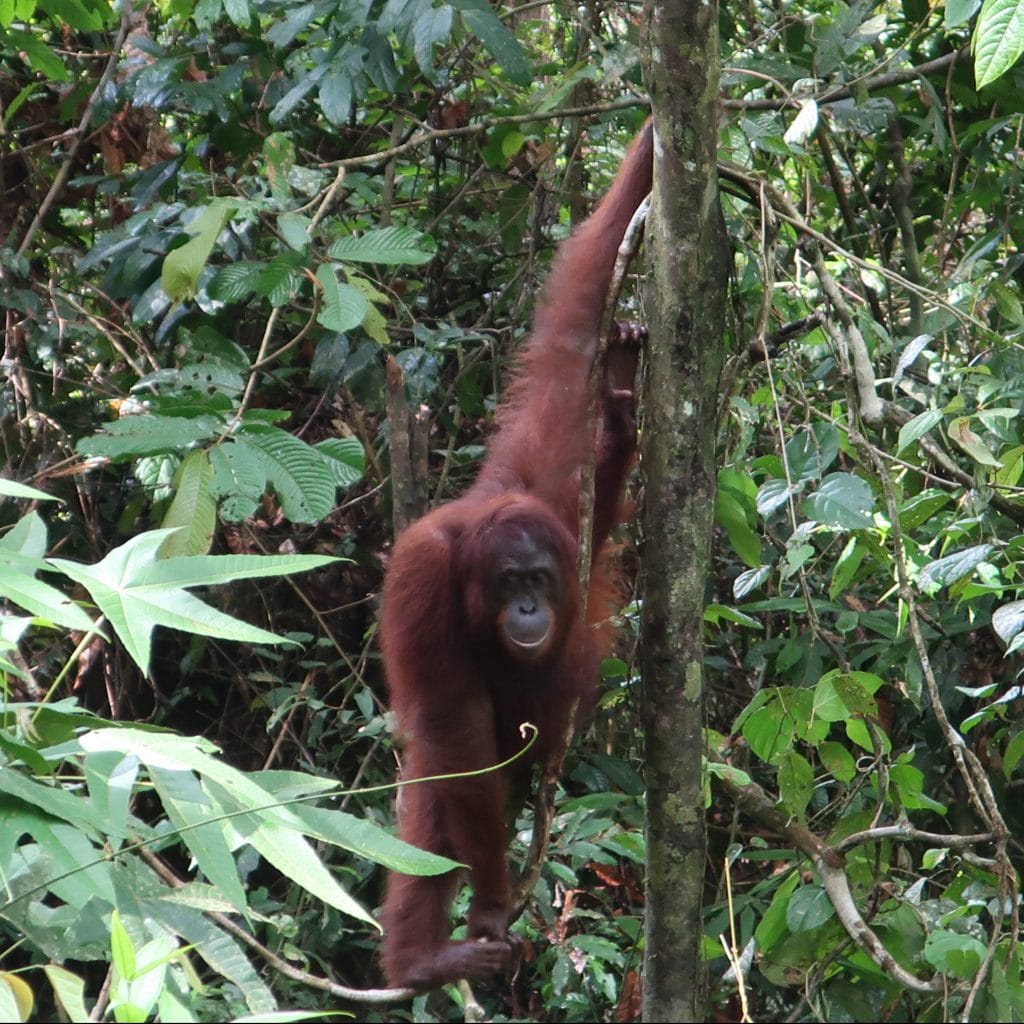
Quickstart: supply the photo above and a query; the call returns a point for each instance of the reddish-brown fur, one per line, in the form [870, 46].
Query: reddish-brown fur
[458, 697]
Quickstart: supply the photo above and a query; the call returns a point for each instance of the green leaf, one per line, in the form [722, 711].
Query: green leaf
[837, 761]
[715, 613]
[812, 451]
[500, 43]
[235, 282]
[769, 729]
[336, 95]
[960, 432]
[342, 306]
[16, 998]
[179, 277]
[809, 907]
[944, 571]
[300, 476]
[13, 489]
[1008, 620]
[193, 511]
[796, 781]
[69, 989]
[192, 812]
[38, 55]
[842, 501]
[346, 459]
[954, 953]
[920, 508]
[75, 14]
[238, 11]
[1013, 754]
[736, 513]
[132, 436]
[749, 580]
[390, 246]
[909, 783]
[998, 39]
[913, 430]
[18, 565]
[294, 230]
[136, 591]
[846, 567]
[239, 479]
[957, 12]
[433, 26]
[772, 495]
[772, 927]
[121, 948]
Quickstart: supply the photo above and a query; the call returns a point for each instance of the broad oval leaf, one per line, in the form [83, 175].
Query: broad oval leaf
[843, 502]
[344, 307]
[998, 39]
[809, 907]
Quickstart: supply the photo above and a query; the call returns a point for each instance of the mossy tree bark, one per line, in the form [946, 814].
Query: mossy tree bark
[687, 275]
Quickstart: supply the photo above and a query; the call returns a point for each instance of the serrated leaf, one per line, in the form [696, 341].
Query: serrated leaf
[133, 436]
[390, 246]
[192, 813]
[842, 501]
[944, 571]
[280, 279]
[299, 474]
[235, 282]
[998, 39]
[193, 511]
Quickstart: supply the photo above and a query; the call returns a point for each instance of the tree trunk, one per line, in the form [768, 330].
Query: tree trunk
[685, 303]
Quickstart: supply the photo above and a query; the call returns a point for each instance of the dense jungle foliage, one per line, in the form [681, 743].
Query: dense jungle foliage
[263, 265]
